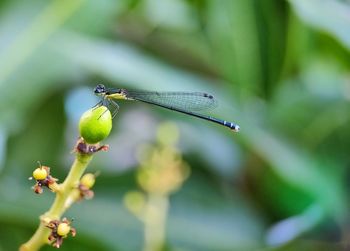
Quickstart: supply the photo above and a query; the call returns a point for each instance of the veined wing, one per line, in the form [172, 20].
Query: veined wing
[190, 101]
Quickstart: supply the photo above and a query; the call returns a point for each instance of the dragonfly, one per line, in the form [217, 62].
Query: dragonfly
[189, 103]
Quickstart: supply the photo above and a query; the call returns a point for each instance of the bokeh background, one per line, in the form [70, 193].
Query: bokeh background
[280, 69]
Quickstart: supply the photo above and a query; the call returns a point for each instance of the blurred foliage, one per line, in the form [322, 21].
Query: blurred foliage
[162, 172]
[280, 69]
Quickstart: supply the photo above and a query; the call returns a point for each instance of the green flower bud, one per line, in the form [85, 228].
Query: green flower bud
[63, 229]
[40, 173]
[95, 124]
[88, 180]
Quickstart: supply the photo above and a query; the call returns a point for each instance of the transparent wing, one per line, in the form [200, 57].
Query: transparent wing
[190, 101]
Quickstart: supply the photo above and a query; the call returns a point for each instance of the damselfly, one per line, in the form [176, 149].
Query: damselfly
[185, 102]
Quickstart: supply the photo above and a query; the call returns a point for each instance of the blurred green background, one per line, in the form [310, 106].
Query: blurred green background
[280, 69]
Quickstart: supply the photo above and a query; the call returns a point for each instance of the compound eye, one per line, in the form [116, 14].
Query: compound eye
[100, 88]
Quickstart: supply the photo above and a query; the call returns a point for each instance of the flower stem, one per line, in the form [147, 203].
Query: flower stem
[155, 220]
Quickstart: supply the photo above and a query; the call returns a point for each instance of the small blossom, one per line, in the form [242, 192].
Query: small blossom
[86, 183]
[43, 179]
[59, 231]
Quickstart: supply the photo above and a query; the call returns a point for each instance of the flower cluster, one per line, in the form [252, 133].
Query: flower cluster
[60, 229]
